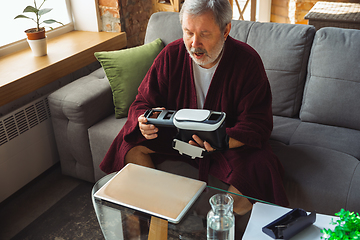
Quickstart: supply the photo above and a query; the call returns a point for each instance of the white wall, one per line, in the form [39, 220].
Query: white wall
[85, 15]
[263, 10]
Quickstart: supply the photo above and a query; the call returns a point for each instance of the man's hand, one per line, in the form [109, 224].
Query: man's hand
[233, 143]
[200, 143]
[149, 131]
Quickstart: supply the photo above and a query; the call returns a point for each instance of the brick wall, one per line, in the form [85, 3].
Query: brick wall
[294, 11]
[110, 15]
[130, 16]
[135, 15]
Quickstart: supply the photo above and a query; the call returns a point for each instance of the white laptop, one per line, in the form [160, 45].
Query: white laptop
[152, 191]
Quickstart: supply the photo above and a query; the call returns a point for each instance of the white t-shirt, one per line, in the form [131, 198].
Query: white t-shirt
[202, 77]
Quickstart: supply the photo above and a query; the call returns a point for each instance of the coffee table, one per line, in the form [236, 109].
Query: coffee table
[118, 222]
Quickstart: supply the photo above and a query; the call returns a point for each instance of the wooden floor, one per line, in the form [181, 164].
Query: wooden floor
[26, 205]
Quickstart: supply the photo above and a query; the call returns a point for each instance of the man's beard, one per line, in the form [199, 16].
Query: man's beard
[209, 57]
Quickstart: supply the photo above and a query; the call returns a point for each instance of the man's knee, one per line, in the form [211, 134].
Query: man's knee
[139, 155]
[139, 150]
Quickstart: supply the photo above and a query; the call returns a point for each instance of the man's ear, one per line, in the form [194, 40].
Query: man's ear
[227, 30]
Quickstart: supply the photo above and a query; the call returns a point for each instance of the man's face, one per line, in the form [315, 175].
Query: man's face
[203, 39]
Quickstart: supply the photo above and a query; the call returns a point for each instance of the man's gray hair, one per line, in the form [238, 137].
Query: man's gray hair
[221, 9]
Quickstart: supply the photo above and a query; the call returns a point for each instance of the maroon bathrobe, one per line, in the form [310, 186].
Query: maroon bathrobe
[239, 88]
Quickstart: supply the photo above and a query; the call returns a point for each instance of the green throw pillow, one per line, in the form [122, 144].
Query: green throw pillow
[125, 70]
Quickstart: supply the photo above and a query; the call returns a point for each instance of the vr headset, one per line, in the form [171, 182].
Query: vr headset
[207, 125]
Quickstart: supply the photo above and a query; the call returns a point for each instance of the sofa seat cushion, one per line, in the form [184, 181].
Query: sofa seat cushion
[335, 138]
[318, 178]
[284, 128]
[332, 89]
[101, 135]
[292, 131]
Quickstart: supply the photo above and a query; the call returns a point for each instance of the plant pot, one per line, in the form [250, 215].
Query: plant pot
[37, 41]
[38, 47]
[33, 34]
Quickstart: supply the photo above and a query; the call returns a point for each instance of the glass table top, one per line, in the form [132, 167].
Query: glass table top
[119, 222]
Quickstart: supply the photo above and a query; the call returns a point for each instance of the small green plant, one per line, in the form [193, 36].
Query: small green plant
[348, 227]
[39, 12]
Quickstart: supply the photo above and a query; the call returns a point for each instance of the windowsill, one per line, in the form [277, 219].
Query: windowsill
[21, 73]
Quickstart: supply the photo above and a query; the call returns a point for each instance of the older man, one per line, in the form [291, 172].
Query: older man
[208, 69]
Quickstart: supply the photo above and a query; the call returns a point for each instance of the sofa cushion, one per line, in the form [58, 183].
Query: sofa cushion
[168, 32]
[240, 30]
[315, 179]
[354, 193]
[125, 70]
[284, 50]
[329, 137]
[291, 131]
[284, 128]
[101, 135]
[332, 89]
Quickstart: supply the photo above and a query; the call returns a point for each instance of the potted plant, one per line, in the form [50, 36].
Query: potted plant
[347, 227]
[36, 36]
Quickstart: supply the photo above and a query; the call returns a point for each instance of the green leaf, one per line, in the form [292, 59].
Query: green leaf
[51, 21]
[44, 10]
[22, 16]
[348, 227]
[30, 9]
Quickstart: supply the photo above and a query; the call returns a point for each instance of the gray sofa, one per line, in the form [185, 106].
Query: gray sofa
[315, 81]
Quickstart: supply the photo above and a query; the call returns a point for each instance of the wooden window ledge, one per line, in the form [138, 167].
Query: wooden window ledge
[21, 73]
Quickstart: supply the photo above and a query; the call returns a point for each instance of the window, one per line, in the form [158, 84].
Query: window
[13, 29]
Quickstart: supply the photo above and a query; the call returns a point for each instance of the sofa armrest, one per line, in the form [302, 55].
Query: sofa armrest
[74, 108]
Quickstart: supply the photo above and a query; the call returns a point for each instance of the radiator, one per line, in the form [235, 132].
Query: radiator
[27, 146]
